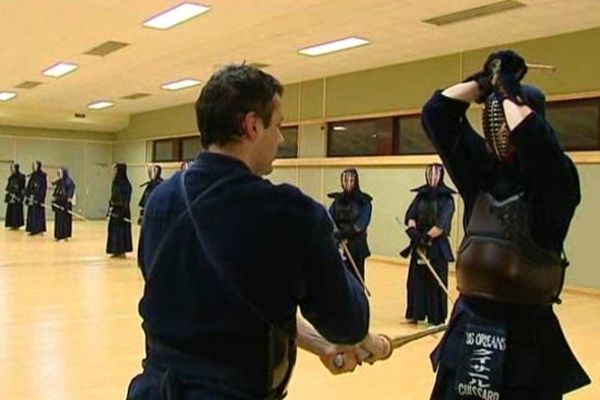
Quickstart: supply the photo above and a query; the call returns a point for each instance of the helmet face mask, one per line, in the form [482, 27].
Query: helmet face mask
[496, 132]
[434, 174]
[349, 180]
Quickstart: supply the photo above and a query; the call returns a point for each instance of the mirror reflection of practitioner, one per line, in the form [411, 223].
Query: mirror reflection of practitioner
[35, 196]
[429, 218]
[119, 225]
[15, 192]
[62, 203]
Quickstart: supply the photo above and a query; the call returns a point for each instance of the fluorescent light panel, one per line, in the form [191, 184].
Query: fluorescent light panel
[176, 15]
[337, 45]
[339, 128]
[59, 69]
[99, 105]
[5, 96]
[180, 84]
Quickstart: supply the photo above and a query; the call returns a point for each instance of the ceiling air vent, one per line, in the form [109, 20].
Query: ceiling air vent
[106, 48]
[135, 96]
[475, 12]
[28, 85]
[258, 65]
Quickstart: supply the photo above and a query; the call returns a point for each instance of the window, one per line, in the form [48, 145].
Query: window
[378, 137]
[176, 149]
[369, 137]
[576, 122]
[413, 139]
[166, 150]
[289, 149]
[187, 148]
[190, 147]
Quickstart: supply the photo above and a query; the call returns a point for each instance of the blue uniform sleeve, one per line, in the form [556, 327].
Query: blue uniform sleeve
[127, 194]
[70, 190]
[445, 213]
[22, 184]
[43, 188]
[412, 212]
[332, 210]
[364, 216]
[333, 301]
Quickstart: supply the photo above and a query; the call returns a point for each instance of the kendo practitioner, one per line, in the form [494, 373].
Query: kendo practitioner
[15, 191]
[520, 192]
[184, 165]
[229, 257]
[351, 211]
[429, 218]
[154, 176]
[35, 196]
[119, 225]
[62, 204]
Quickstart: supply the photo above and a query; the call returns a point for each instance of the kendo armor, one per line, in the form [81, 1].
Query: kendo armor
[499, 260]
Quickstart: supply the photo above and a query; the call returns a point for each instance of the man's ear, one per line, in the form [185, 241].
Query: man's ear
[250, 125]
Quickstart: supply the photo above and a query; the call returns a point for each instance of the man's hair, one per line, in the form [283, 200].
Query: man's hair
[228, 96]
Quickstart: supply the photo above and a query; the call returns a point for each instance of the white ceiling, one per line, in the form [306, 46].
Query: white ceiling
[36, 33]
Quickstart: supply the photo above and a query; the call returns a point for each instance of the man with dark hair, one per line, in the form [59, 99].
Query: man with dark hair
[228, 97]
[229, 258]
[520, 192]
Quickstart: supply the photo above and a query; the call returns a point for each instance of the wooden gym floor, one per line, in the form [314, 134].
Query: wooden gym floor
[69, 327]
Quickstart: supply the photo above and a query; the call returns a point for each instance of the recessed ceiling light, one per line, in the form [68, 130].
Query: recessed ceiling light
[340, 128]
[101, 104]
[59, 69]
[180, 84]
[6, 96]
[176, 15]
[334, 46]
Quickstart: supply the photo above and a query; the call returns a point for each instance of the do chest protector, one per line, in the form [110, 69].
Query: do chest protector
[499, 260]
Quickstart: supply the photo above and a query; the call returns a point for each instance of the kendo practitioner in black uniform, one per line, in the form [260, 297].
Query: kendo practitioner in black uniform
[351, 211]
[429, 218]
[35, 196]
[229, 257]
[155, 179]
[520, 192]
[119, 225]
[62, 203]
[15, 191]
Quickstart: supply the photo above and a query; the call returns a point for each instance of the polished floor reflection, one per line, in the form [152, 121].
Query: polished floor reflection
[69, 328]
